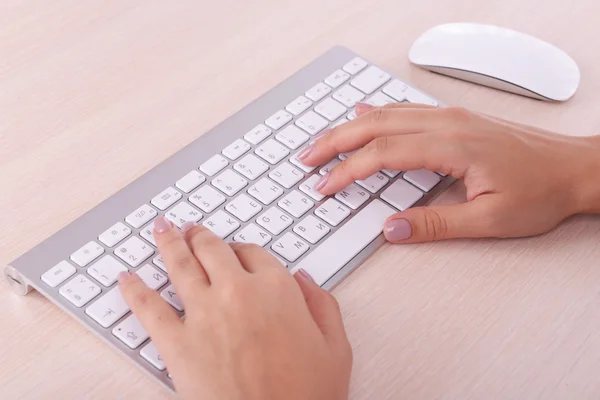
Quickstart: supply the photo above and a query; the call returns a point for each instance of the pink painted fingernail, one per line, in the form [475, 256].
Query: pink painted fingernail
[396, 230]
[362, 107]
[305, 275]
[321, 182]
[304, 153]
[124, 276]
[161, 224]
[187, 226]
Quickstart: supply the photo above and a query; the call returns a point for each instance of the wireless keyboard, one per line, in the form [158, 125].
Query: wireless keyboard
[243, 181]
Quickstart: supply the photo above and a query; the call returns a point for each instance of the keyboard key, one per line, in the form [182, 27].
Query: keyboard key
[140, 216]
[379, 100]
[190, 181]
[290, 247]
[292, 137]
[353, 196]
[332, 212]
[355, 65]
[330, 109]
[251, 167]
[401, 195]
[318, 91]
[221, 224]
[214, 164]
[345, 243]
[402, 92]
[243, 207]
[229, 182]
[182, 213]
[150, 354]
[390, 172]
[370, 80]
[79, 290]
[151, 276]
[171, 297]
[278, 259]
[312, 229]
[58, 274]
[272, 151]
[308, 187]
[236, 149]
[299, 105]
[296, 161]
[258, 134]
[88, 253]
[109, 308]
[158, 261]
[296, 203]
[374, 183]
[134, 251]
[329, 166]
[106, 270]
[114, 234]
[131, 332]
[253, 234]
[343, 156]
[147, 233]
[265, 191]
[312, 123]
[286, 175]
[274, 220]
[414, 96]
[279, 119]
[340, 122]
[348, 96]
[207, 199]
[423, 179]
[352, 115]
[337, 78]
[166, 198]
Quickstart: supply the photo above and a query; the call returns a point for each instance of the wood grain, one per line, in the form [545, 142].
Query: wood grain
[93, 94]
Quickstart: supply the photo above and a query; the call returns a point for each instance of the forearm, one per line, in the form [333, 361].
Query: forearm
[589, 176]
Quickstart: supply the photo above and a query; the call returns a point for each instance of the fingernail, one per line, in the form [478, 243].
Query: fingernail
[321, 182]
[362, 107]
[305, 152]
[124, 276]
[305, 275]
[397, 229]
[161, 224]
[187, 226]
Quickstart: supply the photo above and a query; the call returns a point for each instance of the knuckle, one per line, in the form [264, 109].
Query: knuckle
[182, 260]
[141, 299]
[435, 225]
[379, 146]
[377, 114]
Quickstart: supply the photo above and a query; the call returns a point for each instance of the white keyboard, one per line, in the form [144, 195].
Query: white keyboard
[243, 181]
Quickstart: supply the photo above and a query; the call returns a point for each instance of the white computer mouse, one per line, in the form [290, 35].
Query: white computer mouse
[499, 58]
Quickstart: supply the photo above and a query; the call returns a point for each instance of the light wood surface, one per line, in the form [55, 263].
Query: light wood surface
[93, 94]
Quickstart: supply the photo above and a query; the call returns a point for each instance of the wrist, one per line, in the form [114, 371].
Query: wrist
[587, 159]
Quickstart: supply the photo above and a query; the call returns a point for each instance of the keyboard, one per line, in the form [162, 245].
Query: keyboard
[244, 181]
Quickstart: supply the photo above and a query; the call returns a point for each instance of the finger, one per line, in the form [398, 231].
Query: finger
[254, 258]
[362, 108]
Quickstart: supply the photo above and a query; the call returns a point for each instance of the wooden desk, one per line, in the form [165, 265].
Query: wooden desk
[92, 94]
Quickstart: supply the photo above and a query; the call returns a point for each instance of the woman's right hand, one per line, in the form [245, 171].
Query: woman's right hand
[521, 181]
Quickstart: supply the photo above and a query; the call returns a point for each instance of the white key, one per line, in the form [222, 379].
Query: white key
[79, 290]
[265, 191]
[229, 182]
[340, 122]
[290, 247]
[332, 212]
[214, 164]
[58, 274]
[236, 149]
[423, 179]
[166, 198]
[171, 297]
[274, 220]
[131, 332]
[114, 234]
[299, 105]
[147, 233]
[348, 96]
[312, 123]
[337, 78]
[207, 198]
[251, 167]
[308, 187]
[343, 156]
[296, 203]
[109, 308]
[86, 254]
[279, 259]
[134, 251]
[370, 80]
[286, 175]
[355, 65]
[158, 261]
[106, 270]
[312, 229]
[190, 181]
[150, 354]
[414, 96]
[151, 276]
[272, 151]
[140, 216]
[318, 91]
[253, 234]
[329, 166]
[402, 92]
[292, 137]
[345, 243]
[374, 183]
[330, 109]
[440, 174]
[352, 115]
[401, 195]
[243, 207]
[353, 196]
[279, 119]
[391, 172]
[222, 224]
[258, 134]
[182, 213]
[379, 100]
[296, 161]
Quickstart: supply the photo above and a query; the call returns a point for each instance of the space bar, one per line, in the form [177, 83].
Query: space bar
[335, 252]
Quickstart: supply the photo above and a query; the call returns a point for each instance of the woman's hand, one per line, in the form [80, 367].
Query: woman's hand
[251, 330]
[520, 180]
